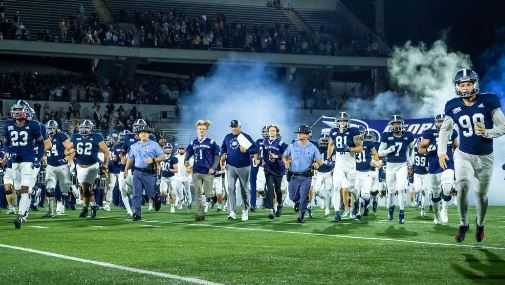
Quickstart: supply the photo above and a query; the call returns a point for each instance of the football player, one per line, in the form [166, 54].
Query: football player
[168, 168]
[440, 181]
[479, 119]
[323, 179]
[87, 144]
[365, 163]
[420, 171]
[22, 138]
[183, 177]
[57, 170]
[397, 146]
[345, 142]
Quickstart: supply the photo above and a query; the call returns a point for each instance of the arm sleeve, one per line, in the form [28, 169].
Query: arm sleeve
[498, 125]
[189, 152]
[383, 149]
[443, 137]
[223, 146]
[411, 153]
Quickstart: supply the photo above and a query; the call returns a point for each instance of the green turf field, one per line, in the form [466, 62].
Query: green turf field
[257, 252]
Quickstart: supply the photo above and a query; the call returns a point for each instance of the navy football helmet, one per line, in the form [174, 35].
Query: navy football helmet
[465, 75]
[19, 112]
[439, 119]
[397, 124]
[86, 127]
[343, 121]
[168, 148]
[139, 124]
[264, 132]
[52, 127]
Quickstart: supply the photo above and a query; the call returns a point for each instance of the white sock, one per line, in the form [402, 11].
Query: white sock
[24, 204]
[126, 202]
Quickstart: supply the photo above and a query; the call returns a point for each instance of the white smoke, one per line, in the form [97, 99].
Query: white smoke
[252, 94]
[423, 79]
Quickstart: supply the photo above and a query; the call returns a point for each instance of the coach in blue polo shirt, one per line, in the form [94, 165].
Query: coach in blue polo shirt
[236, 150]
[300, 158]
[144, 155]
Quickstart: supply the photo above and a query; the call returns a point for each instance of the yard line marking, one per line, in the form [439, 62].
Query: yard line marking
[98, 226]
[38, 227]
[150, 226]
[342, 236]
[113, 266]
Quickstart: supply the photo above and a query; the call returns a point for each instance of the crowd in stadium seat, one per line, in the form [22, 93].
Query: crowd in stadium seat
[81, 88]
[12, 28]
[172, 29]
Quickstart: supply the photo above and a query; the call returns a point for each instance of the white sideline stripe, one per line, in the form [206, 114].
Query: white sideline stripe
[113, 266]
[38, 227]
[342, 236]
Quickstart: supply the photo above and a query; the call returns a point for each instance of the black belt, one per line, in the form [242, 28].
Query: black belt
[145, 170]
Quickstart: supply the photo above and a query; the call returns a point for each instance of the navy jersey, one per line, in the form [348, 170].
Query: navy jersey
[272, 149]
[433, 164]
[56, 155]
[168, 164]
[234, 156]
[327, 165]
[401, 144]
[343, 139]
[128, 141]
[86, 148]
[115, 165]
[466, 117]
[204, 152]
[21, 142]
[420, 162]
[364, 158]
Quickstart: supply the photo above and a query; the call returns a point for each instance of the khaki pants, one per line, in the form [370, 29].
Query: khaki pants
[203, 187]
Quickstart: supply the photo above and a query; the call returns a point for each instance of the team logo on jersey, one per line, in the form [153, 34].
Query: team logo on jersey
[390, 138]
[456, 110]
[234, 144]
[481, 105]
[10, 128]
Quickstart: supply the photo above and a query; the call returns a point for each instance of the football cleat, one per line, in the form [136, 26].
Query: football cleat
[460, 234]
[391, 212]
[337, 218]
[401, 217]
[479, 234]
[93, 211]
[84, 212]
